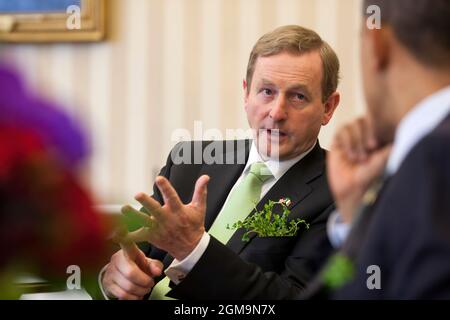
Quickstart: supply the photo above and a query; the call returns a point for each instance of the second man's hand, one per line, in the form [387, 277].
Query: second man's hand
[355, 160]
[174, 227]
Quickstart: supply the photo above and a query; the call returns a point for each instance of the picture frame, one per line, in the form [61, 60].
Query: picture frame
[52, 21]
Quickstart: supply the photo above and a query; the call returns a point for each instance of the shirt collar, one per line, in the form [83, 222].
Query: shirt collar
[418, 123]
[277, 168]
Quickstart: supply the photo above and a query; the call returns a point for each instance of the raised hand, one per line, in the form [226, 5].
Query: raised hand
[354, 162]
[174, 227]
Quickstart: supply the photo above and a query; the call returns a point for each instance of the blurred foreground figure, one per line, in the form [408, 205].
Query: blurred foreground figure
[46, 218]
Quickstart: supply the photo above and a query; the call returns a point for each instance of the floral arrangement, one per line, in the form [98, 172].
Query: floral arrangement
[266, 223]
[47, 220]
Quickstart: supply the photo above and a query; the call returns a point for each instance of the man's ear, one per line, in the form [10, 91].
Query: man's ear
[246, 91]
[330, 106]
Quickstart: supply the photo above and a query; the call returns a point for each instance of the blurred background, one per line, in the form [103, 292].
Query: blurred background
[167, 63]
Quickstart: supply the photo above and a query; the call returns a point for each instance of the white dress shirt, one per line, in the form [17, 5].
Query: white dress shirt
[417, 124]
[179, 269]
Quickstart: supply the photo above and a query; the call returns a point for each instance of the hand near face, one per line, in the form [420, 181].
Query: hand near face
[174, 227]
[354, 162]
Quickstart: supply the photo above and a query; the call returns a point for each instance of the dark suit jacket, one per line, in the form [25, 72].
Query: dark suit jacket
[263, 267]
[409, 234]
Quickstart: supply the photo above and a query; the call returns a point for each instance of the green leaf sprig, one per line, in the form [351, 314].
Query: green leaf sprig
[266, 223]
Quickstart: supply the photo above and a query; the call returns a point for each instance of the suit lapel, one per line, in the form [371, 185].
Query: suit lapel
[223, 177]
[294, 184]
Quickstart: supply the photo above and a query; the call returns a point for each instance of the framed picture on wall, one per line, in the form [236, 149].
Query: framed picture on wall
[52, 20]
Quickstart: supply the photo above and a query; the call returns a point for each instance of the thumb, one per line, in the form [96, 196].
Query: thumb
[200, 192]
[136, 255]
[130, 249]
[127, 243]
[144, 264]
[155, 267]
[140, 235]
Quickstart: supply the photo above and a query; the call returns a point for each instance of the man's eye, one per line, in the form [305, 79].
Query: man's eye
[300, 97]
[267, 92]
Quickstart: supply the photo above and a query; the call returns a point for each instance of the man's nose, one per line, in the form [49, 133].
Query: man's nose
[279, 109]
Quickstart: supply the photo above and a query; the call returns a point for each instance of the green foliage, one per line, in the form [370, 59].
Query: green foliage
[266, 223]
[338, 271]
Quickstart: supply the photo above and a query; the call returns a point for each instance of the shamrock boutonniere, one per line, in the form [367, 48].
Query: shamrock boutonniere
[266, 223]
[338, 271]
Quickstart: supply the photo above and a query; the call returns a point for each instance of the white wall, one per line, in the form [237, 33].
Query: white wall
[170, 62]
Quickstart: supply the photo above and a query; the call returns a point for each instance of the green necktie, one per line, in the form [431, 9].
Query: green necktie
[239, 204]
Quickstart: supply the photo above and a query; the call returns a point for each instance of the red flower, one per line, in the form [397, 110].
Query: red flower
[46, 217]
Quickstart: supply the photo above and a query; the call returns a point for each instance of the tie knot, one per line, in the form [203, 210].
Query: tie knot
[260, 170]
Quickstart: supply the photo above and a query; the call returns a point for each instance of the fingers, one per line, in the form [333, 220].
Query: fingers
[200, 192]
[129, 248]
[168, 192]
[152, 206]
[128, 270]
[116, 291]
[142, 261]
[140, 235]
[356, 140]
[152, 267]
[365, 136]
[136, 215]
[378, 161]
[124, 279]
[156, 267]
[130, 287]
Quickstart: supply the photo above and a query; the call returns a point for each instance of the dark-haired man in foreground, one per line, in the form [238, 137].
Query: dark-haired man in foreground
[399, 243]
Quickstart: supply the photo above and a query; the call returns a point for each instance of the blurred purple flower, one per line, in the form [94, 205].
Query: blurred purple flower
[18, 108]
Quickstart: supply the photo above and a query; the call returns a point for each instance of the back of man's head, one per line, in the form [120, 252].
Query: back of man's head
[297, 40]
[421, 26]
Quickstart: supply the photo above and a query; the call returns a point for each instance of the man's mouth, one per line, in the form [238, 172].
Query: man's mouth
[276, 133]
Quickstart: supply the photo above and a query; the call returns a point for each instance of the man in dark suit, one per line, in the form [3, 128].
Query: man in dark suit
[390, 172]
[290, 92]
